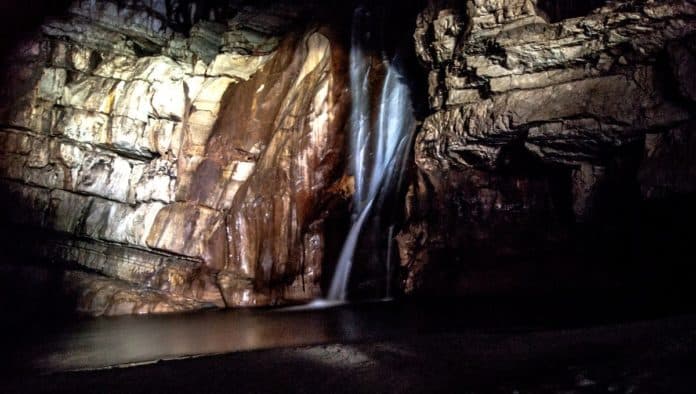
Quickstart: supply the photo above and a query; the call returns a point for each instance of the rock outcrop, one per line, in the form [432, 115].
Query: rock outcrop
[189, 170]
[533, 116]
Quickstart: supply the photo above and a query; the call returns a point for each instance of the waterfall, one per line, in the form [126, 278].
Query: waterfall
[378, 151]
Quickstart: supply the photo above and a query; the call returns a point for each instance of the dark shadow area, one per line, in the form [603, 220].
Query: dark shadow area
[34, 304]
[558, 10]
[533, 344]
[22, 18]
[33, 298]
[534, 244]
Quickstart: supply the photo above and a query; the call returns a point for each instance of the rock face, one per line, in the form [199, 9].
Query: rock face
[186, 154]
[535, 109]
[187, 169]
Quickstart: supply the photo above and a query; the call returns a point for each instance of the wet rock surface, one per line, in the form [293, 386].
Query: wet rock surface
[547, 118]
[182, 148]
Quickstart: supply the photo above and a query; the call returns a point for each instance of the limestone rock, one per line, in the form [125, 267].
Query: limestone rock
[205, 40]
[246, 41]
[236, 66]
[134, 133]
[535, 80]
[103, 296]
[281, 198]
[541, 94]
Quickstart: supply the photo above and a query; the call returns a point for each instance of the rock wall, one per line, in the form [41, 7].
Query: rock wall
[185, 156]
[543, 119]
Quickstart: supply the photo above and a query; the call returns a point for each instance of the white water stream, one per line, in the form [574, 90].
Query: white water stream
[377, 150]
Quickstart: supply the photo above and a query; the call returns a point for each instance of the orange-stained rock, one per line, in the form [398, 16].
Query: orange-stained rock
[178, 165]
[289, 117]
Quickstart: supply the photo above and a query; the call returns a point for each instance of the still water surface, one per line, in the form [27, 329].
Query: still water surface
[91, 343]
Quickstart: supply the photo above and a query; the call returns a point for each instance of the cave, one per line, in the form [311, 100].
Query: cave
[360, 196]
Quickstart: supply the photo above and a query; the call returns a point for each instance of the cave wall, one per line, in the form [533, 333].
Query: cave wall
[181, 155]
[551, 125]
[187, 154]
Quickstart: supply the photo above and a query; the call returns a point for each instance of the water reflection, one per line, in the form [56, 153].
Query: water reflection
[103, 342]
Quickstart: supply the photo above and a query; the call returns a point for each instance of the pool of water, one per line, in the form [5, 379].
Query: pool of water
[93, 343]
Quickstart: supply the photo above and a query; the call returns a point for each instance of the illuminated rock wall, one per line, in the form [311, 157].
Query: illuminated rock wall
[186, 169]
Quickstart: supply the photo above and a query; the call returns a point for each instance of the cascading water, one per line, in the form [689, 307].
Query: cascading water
[378, 152]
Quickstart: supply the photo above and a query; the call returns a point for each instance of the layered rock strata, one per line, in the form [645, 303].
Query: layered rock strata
[192, 167]
[531, 120]
[187, 155]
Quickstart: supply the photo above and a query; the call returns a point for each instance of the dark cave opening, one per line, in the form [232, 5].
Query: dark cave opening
[557, 11]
